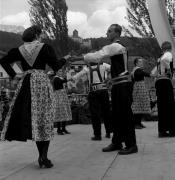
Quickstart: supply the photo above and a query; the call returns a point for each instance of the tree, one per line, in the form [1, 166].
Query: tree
[138, 17]
[51, 16]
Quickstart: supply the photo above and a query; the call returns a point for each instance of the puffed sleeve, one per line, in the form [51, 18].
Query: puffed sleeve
[84, 71]
[52, 60]
[106, 52]
[7, 60]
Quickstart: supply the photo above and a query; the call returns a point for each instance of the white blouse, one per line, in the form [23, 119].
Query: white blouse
[104, 69]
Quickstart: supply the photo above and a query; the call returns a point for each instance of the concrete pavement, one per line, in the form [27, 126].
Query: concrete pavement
[76, 157]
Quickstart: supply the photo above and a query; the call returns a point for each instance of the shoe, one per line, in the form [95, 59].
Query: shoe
[163, 134]
[171, 134]
[112, 147]
[142, 125]
[129, 150]
[108, 135]
[45, 163]
[59, 132]
[138, 127]
[96, 138]
[65, 131]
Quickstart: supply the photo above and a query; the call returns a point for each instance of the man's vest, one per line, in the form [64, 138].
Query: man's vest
[119, 65]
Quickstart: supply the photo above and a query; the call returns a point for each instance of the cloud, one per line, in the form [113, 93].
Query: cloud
[20, 19]
[94, 25]
[97, 24]
[109, 4]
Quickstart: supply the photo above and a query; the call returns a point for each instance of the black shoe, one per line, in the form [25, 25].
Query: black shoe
[163, 134]
[138, 126]
[129, 150]
[108, 135]
[112, 147]
[142, 125]
[45, 163]
[59, 132]
[96, 138]
[65, 131]
[171, 134]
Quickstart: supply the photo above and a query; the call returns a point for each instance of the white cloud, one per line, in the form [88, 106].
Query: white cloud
[109, 4]
[106, 13]
[20, 19]
[97, 24]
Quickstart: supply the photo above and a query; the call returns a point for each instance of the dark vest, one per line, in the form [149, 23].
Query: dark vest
[117, 64]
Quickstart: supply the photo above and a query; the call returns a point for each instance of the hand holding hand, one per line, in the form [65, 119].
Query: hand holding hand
[67, 57]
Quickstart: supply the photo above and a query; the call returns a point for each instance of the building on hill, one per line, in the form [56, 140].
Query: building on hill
[76, 37]
[83, 42]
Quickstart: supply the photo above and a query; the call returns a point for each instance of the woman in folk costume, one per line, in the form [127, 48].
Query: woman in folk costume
[164, 92]
[63, 112]
[31, 112]
[141, 101]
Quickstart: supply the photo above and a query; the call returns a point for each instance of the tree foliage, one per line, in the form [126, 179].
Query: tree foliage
[51, 16]
[139, 19]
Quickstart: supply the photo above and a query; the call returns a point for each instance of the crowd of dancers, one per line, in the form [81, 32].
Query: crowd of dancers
[40, 99]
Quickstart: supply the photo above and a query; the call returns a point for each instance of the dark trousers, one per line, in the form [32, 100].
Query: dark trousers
[100, 109]
[138, 119]
[122, 116]
[165, 105]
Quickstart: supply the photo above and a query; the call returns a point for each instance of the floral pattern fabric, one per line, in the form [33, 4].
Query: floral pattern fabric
[62, 108]
[42, 106]
[141, 100]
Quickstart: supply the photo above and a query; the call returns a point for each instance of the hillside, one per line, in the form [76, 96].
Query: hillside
[9, 40]
[146, 47]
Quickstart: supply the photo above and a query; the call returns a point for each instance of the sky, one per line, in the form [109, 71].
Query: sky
[90, 17]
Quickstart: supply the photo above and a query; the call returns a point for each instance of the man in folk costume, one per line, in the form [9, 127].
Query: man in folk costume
[164, 91]
[31, 113]
[98, 97]
[121, 92]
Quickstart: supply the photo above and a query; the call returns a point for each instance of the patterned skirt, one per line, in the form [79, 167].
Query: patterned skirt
[31, 112]
[141, 100]
[62, 108]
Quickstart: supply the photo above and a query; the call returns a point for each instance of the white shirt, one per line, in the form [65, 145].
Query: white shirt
[104, 69]
[106, 52]
[165, 61]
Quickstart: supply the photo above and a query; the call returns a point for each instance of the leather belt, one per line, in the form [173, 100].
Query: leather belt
[162, 77]
[96, 87]
[120, 79]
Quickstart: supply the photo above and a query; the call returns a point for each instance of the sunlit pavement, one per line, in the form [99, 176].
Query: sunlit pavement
[76, 157]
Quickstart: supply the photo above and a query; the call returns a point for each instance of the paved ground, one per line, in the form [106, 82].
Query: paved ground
[76, 157]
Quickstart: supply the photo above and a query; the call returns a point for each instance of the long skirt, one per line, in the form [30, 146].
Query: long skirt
[62, 108]
[141, 101]
[165, 105]
[31, 113]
